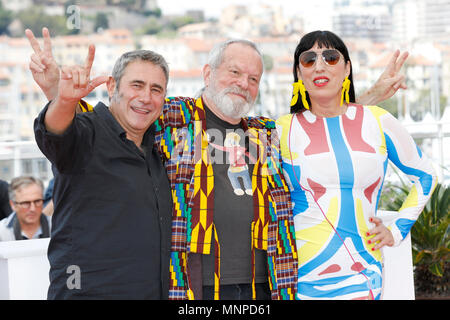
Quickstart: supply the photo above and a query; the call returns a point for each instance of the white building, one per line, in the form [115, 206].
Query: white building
[418, 20]
[185, 83]
[372, 22]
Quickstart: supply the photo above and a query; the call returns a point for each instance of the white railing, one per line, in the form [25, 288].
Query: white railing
[24, 269]
[398, 276]
[23, 158]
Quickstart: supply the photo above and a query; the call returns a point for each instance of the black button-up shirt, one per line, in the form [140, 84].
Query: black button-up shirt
[112, 218]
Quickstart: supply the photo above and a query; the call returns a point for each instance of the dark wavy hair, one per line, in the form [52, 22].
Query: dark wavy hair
[325, 39]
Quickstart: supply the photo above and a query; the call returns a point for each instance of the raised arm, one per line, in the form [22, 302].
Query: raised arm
[75, 83]
[388, 83]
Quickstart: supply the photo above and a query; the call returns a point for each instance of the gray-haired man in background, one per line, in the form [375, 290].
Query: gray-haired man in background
[26, 221]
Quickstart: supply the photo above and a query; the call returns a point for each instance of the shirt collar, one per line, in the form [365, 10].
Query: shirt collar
[36, 234]
[103, 111]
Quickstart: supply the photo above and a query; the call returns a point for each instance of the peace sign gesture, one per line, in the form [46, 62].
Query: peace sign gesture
[391, 78]
[43, 66]
[388, 83]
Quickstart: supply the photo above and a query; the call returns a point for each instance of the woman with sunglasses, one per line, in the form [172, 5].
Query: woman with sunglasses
[335, 154]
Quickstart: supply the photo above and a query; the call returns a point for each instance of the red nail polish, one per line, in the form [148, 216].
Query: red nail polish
[373, 249]
[368, 241]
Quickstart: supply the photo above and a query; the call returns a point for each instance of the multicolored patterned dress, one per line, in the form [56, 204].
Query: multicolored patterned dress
[336, 168]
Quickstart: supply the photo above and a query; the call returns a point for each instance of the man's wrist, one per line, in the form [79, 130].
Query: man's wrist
[66, 103]
[50, 93]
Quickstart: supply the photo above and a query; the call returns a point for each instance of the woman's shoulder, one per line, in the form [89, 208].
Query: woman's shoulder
[284, 119]
[377, 111]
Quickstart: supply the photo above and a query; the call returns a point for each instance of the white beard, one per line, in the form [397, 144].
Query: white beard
[234, 109]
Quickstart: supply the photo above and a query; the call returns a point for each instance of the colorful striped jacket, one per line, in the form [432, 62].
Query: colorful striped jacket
[182, 142]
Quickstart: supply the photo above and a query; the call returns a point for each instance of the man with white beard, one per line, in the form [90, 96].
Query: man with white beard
[226, 89]
[227, 227]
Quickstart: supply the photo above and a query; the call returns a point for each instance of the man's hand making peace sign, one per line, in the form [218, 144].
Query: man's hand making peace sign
[43, 66]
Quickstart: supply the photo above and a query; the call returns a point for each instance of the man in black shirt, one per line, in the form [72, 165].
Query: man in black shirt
[111, 224]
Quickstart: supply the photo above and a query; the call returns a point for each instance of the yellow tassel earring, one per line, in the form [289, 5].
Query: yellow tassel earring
[345, 91]
[299, 87]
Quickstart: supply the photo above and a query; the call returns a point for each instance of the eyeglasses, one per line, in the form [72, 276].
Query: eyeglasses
[331, 57]
[27, 204]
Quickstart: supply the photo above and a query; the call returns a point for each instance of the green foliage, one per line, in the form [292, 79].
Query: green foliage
[177, 22]
[164, 27]
[430, 233]
[152, 26]
[6, 18]
[156, 13]
[268, 62]
[35, 19]
[390, 105]
[101, 21]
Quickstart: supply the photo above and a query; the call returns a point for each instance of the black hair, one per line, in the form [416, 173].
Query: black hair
[325, 39]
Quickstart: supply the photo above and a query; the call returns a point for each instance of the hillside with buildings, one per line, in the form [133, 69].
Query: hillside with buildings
[371, 29]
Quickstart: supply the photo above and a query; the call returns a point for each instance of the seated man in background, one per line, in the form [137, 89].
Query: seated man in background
[26, 221]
